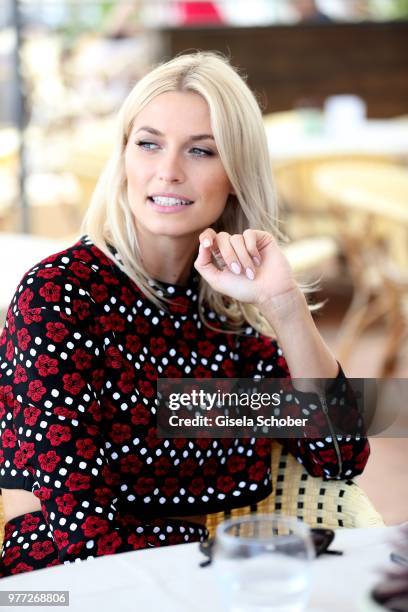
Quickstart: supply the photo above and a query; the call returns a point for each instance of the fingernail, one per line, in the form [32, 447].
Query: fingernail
[250, 273]
[257, 261]
[235, 267]
[207, 243]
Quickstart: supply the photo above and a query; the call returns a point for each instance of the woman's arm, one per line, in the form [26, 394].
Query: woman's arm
[306, 353]
[265, 279]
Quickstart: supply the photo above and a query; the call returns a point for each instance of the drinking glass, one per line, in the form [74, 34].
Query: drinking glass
[262, 563]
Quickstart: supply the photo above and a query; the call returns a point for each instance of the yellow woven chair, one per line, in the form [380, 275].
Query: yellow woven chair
[330, 504]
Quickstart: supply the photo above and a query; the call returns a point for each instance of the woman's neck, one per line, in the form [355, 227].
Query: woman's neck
[168, 260]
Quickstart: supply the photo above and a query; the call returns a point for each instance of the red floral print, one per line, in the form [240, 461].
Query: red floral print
[73, 383]
[56, 332]
[225, 483]
[25, 300]
[77, 482]
[257, 471]
[49, 461]
[46, 365]
[94, 526]
[49, 273]
[29, 523]
[86, 448]
[131, 464]
[36, 390]
[82, 359]
[39, 550]
[66, 503]
[108, 544]
[120, 433]
[157, 346]
[61, 538]
[24, 338]
[51, 292]
[20, 375]
[58, 434]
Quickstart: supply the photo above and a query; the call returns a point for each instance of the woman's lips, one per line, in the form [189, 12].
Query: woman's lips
[174, 208]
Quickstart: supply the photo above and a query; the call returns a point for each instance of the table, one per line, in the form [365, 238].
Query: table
[170, 580]
[301, 135]
[374, 188]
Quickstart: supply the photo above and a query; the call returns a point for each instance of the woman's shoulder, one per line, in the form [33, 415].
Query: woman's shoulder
[81, 257]
[59, 278]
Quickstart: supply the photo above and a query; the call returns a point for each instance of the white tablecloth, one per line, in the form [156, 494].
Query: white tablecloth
[170, 580]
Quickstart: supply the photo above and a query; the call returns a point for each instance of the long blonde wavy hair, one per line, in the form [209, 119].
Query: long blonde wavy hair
[240, 137]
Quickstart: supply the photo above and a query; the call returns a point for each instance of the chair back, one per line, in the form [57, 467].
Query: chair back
[330, 504]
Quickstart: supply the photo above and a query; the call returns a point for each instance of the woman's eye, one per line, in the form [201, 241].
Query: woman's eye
[145, 144]
[201, 152]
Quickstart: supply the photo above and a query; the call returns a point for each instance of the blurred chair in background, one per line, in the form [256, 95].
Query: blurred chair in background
[53, 200]
[370, 203]
[313, 259]
[89, 149]
[306, 209]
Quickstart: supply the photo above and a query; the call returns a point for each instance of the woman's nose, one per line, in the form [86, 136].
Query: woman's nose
[171, 170]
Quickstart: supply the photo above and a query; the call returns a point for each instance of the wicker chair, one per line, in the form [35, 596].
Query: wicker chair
[330, 504]
[369, 199]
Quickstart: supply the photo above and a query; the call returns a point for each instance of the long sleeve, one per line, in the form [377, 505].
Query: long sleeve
[333, 456]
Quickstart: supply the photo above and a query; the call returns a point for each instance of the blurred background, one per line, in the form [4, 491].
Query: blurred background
[331, 78]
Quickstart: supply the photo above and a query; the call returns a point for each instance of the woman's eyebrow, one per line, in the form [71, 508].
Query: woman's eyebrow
[194, 138]
[202, 137]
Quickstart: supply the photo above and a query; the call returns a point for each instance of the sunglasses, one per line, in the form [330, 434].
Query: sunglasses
[321, 538]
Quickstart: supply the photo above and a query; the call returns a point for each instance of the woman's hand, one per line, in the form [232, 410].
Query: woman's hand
[265, 279]
[250, 266]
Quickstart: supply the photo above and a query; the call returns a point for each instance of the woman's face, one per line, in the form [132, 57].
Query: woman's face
[177, 185]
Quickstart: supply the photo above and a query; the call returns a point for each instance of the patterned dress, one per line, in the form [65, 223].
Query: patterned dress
[79, 357]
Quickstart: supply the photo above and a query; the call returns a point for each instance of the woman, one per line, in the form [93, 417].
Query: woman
[174, 278]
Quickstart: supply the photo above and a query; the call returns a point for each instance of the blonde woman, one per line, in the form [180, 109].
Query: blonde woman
[179, 274]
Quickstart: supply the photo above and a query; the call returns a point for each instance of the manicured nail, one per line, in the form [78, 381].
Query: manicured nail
[250, 273]
[235, 267]
[257, 261]
[207, 242]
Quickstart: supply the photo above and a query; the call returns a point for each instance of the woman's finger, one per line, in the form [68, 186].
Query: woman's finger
[204, 256]
[205, 266]
[207, 237]
[245, 259]
[250, 243]
[227, 252]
